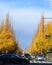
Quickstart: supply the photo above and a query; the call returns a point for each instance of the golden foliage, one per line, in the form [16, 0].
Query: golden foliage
[42, 41]
[7, 39]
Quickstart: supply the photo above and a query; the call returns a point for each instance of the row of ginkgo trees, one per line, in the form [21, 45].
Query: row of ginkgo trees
[41, 44]
[8, 43]
[42, 41]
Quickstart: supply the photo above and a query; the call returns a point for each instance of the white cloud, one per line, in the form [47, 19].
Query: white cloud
[48, 2]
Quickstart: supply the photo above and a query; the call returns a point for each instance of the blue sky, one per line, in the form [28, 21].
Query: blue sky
[25, 16]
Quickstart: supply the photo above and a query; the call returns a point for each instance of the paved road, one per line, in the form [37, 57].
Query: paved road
[40, 62]
[34, 63]
[31, 64]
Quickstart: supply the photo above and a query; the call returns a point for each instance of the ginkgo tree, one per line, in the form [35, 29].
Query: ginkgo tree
[8, 42]
[42, 41]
